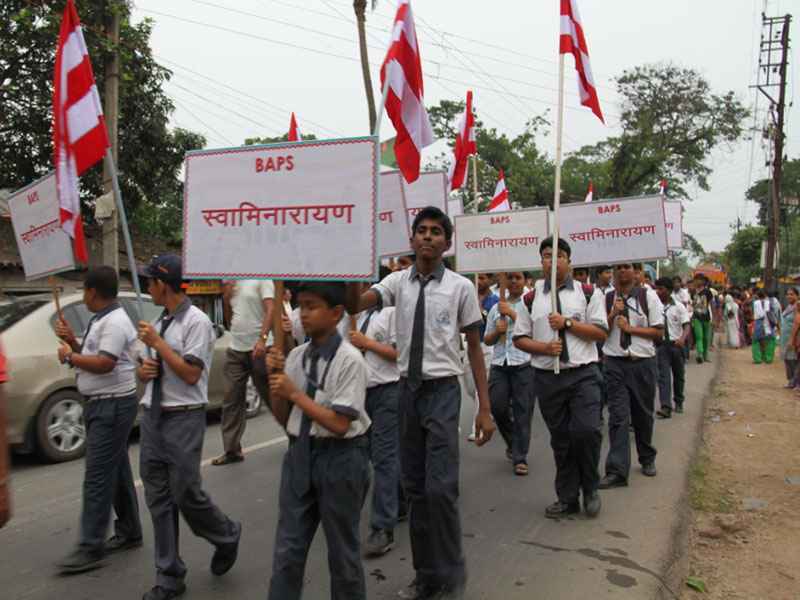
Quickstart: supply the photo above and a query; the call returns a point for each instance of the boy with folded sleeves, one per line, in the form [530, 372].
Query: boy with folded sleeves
[318, 394]
[433, 305]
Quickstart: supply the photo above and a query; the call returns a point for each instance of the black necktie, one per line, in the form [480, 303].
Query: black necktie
[417, 338]
[625, 338]
[301, 449]
[666, 324]
[562, 333]
[158, 395]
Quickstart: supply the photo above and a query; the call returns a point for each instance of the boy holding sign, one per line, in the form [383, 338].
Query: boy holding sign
[432, 305]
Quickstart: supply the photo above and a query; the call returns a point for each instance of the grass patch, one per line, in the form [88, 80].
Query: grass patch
[707, 495]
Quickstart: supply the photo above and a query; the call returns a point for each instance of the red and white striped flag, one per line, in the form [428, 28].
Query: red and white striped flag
[294, 131]
[573, 42]
[500, 200]
[80, 138]
[590, 193]
[405, 103]
[663, 186]
[465, 145]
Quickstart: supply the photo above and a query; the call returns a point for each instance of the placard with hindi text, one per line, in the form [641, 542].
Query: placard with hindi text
[393, 229]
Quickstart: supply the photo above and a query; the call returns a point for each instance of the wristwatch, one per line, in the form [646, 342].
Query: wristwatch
[265, 337]
[68, 360]
[567, 323]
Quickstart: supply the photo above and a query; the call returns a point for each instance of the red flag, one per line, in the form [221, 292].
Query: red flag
[500, 200]
[465, 145]
[663, 186]
[590, 193]
[294, 131]
[573, 42]
[405, 103]
[79, 130]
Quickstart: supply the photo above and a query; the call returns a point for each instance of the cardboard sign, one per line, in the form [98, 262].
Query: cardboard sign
[429, 190]
[614, 231]
[43, 247]
[393, 228]
[500, 241]
[305, 210]
[673, 213]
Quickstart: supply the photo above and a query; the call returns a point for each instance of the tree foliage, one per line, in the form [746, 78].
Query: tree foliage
[150, 155]
[744, 254]
[761, 192]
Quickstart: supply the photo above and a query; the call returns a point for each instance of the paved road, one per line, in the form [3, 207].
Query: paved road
[632, 550]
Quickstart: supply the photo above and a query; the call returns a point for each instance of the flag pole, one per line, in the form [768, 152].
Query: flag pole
[387, 81]
[277, 314]
[54, 287]
[475, 192]
[557, 197]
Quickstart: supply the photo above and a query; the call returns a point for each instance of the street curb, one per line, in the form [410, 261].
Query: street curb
[675, 566]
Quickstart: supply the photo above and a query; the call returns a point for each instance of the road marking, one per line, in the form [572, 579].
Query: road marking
[259, 446]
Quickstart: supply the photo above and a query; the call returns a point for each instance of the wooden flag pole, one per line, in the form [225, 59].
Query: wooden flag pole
[387, 85]
[391, 263]
[55, 295]
[277, 314]
[475, 194]
[502, 278]
[557, 197]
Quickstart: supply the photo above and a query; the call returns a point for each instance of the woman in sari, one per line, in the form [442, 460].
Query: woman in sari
[731, 321]
[789, 354]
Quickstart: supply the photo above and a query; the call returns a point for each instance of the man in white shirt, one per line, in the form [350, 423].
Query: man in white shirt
[248, 305]
[671, 368]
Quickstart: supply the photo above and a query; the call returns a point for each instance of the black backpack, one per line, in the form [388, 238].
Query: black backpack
[588, 290]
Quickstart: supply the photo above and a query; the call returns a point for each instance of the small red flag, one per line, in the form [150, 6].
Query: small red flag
[465, 145]
[573, 42]
[294, 131]
[590, 193]
[500, 200]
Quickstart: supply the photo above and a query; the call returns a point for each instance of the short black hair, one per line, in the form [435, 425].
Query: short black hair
[489, 275]
[333, 293]
[562, 245]
[762, 293]
[580, 269]
[665, 282]
[677, 278]
[383, 271]
[701, 277]
[104, 281]
[598, 270]
[435, 214]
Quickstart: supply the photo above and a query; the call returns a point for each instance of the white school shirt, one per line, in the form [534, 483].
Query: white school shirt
[247, 305]
[451, 304]
[536, 325]
[382, 329]
[506, 353]
[191, 336]
[675, 316]
[344, 388]
[111, 334]
[638, 317]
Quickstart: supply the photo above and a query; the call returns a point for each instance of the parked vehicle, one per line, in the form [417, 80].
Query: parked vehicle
[45, 411]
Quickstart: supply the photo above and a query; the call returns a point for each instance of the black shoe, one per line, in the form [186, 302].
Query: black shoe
[78, 562]
[649, 469]
[225, 556]
[116, 543]
[418, 590]
[591, 503]
[664, 413]
[379, 542]
[699, 360]
[402, 516]
[561, 509]
[162, 593]
[612, 480]
[678, 408]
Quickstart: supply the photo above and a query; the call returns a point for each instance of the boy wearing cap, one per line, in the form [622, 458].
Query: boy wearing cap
[173, 426]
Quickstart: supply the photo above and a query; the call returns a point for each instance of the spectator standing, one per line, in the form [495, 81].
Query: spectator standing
[789, 354]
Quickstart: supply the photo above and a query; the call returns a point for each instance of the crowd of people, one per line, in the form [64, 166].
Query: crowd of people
[370, 375]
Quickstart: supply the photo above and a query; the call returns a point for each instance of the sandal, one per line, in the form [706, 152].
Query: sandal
[521, 469]
[508, 453]
[227, 458]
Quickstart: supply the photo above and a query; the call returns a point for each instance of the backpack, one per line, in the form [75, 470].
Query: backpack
[588, 290]
[771, 316]
[641, 296]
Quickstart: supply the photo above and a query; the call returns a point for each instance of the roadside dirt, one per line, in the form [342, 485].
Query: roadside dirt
[745, 540]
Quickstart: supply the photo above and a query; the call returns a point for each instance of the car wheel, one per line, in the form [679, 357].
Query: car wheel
[252, 400]
[60, 432]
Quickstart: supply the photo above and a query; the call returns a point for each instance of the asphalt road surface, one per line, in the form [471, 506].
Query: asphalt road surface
[633, 549]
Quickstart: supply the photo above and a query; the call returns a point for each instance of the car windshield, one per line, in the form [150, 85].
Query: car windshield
[12, 312]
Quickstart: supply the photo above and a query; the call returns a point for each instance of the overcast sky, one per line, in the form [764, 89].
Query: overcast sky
[241, 67]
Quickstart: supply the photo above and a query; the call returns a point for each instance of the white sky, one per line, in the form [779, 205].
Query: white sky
[241, 67]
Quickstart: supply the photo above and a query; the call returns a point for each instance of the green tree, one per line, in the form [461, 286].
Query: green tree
[761, 192]
[671, 122]
[744, 254]
[150, 155]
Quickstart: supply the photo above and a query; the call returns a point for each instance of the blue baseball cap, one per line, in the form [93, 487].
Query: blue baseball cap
[167, 267]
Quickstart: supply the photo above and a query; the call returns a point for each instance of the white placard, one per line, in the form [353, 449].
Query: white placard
[455, 207]
[393, 229]
[429, 190]
[305, 210]
[614, 231]
[673, 213]
[43, 247]
[500, 241]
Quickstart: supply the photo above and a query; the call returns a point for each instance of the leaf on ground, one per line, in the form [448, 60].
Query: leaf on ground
[697, 584]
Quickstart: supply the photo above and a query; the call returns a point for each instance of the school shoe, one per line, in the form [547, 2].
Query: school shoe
[225, 556]
[561, 509]
[591, 503]
[379, 542]
[678, 408]
[664, 412]
[419, 590]
[162, 593]
[79, 561]
[117, 543]
[699, 360]
[649, 469]
[612, 480]
[706, 359]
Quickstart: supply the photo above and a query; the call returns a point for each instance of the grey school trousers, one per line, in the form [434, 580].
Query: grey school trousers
[339, 483]
[671, 370]
[512, 403]
[631, 390]
[170, 468]
[381, 405]
[429, 457]
[108, 480]
[238, 368]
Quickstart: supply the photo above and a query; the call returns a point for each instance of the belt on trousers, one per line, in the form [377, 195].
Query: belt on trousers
[188, 407]
[96, 397]
[565, 369]
[434, 384]
[334, 443]
[630, 358]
